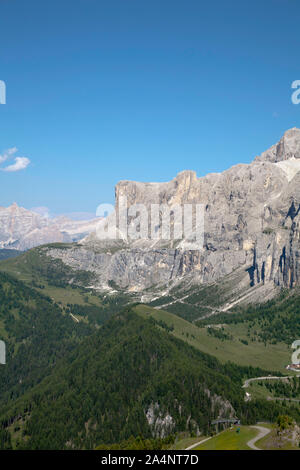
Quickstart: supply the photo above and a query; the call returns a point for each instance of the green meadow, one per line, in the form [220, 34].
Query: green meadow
[230, 440]
[271, 357]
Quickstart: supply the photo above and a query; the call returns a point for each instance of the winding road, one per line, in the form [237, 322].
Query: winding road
[255, 379]
[262, 433]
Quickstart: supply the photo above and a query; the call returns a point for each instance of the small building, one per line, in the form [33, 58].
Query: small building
[295, 367]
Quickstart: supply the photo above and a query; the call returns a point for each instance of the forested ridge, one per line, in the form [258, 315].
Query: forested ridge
[270, 322]
[69, 385]
[36, 336]
[101, 391]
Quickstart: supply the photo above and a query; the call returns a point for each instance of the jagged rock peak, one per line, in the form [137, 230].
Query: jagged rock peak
[288, 147]
[186, 177]
[186, 174]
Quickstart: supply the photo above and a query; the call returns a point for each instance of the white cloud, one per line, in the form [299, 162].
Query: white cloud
[7, 154]
[20, 163]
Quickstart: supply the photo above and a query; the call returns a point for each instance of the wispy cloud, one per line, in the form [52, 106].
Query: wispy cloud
[7, 154]
[20, 163]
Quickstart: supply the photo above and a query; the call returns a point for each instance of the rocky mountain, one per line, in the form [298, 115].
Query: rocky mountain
[22, 229]
[252, 216]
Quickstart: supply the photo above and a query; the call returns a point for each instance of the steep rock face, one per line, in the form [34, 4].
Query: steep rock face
[162, 423]
[288, 147]
[251, 223]
[22, 229]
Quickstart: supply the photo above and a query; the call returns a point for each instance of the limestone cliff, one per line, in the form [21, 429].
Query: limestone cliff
[252, 216]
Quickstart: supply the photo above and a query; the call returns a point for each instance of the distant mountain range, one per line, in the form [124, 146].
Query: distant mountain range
[21, 229]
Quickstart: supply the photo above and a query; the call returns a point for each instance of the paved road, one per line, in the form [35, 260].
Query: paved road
[248, 381]
[262, 433]
[296, 400]
[74, 318]
[198, 443]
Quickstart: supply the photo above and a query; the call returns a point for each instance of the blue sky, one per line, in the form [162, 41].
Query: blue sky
[99, 91]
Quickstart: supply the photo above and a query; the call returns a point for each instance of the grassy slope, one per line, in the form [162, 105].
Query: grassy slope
[271, 357]
[38, 270]
[33, 267]
[230, 440]
[22, 266]
[183, 442]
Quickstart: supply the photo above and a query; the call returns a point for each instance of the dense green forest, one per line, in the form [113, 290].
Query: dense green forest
[270, 322]
[287, 389]
[101, 391]
[36, 334]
